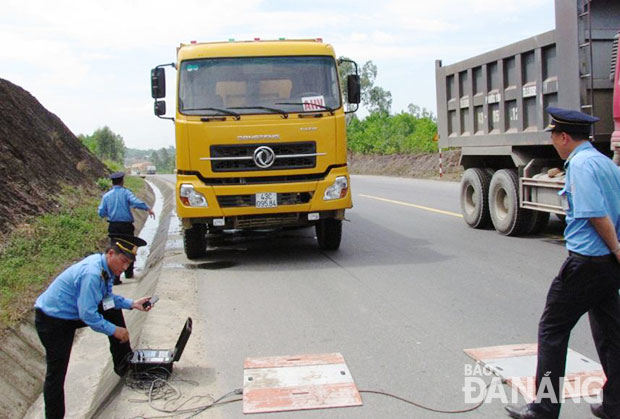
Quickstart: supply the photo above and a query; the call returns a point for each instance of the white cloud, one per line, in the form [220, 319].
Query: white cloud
[88, 61]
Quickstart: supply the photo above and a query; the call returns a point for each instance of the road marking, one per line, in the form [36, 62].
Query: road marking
[454, 214]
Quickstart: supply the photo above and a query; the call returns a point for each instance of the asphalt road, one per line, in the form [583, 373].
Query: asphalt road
[411, 287]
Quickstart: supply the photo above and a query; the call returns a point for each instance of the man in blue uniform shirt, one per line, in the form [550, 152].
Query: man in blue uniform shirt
[116, 205]
[589, 279]
[82, 296]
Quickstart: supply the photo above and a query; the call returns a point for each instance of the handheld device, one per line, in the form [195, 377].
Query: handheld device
[150, 302]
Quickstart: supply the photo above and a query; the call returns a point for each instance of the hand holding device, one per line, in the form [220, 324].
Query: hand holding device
[150, 302]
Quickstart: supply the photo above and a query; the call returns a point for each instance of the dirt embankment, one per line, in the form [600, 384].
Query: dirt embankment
[23, 368]
[408, 165]
[38, 155]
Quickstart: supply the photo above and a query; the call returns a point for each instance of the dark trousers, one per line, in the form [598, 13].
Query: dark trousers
[57, 338]
[124, 228]
[583, 285]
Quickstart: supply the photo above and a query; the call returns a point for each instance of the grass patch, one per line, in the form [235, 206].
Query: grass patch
[134, 183]
[35, 253]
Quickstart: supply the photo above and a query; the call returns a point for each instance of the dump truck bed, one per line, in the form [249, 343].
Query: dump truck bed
[495, 101]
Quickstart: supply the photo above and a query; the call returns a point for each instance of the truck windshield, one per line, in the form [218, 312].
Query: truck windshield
[258, 85]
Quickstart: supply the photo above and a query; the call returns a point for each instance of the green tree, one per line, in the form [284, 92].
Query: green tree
[89, 142]
[155, 159]
[378, 100]
[105, 144]
[374, 98]
[418, 112]
[171, 163]
[164, 157]
[382, 133]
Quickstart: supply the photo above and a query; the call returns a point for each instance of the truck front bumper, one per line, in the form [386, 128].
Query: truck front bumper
[236, 204]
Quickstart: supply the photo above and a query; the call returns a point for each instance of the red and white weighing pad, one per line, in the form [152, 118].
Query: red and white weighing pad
[517, 365]
[298, 382]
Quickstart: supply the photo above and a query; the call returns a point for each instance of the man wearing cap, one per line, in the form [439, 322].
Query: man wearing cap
[116, 205]
[82, 296]
[589, 279]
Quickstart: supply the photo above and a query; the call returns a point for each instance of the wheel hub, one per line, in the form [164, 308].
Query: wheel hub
[502, 204]
[471, 197]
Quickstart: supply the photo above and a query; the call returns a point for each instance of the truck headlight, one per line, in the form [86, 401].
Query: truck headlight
[337, 190]
[190, 197]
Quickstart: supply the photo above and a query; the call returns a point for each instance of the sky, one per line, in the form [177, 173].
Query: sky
[89, 61]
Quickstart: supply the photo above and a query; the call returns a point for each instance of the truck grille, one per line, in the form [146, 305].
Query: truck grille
[232, 158]
[270, 220]
[288, 198]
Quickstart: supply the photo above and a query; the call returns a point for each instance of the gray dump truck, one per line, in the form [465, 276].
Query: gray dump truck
[492, 107]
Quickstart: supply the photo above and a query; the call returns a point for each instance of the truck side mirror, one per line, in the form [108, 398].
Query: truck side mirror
[160, 108]
[158, 83]
[353, 88]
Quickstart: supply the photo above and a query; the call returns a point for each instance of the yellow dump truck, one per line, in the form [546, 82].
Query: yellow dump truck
[260, 137]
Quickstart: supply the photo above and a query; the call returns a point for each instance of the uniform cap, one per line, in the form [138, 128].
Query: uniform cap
[117, 175]
[127, 244]
[569, 121]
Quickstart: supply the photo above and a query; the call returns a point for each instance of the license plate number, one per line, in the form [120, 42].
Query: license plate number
[266, 200]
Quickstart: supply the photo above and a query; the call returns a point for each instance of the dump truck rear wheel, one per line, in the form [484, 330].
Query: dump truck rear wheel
[474, 197]
[508, 218]
[195, 241]
[329, 233]
[538, 222]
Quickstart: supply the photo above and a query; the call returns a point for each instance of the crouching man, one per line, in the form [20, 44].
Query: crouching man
[82, 296]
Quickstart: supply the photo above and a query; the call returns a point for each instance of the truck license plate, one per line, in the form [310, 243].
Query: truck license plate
[266, 200]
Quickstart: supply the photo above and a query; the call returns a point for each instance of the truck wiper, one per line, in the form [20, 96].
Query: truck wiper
[327, 108]
[224, 111]
[280, 111]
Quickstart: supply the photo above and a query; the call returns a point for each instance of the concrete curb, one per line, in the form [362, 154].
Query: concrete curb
[193, 378]
[90, 379]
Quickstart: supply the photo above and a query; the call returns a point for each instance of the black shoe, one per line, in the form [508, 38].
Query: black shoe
[597, 410]
[524, 412]
[117, 281]
[129, 275]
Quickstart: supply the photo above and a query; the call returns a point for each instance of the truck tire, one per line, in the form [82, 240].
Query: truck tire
[508, 218]
[538, 222]
[474, 197]
[195, 241]
[329, 233]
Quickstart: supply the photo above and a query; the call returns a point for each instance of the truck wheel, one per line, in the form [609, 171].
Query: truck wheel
[508, 218]
[474, 197]
[538, 222]
[329, 233]
[195, 241]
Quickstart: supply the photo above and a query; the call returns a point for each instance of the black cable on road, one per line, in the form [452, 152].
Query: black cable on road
[402, 399]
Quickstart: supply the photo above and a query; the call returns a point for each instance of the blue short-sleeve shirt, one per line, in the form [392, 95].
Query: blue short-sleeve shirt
[76, 293]
[592, 189]
[116, 204]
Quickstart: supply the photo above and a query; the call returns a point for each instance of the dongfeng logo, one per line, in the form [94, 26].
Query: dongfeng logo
[264, 157]
[259, 137]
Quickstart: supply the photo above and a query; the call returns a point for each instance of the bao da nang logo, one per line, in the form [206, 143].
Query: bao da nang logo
[264, 157]
[482, 386]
